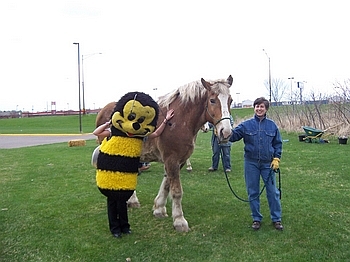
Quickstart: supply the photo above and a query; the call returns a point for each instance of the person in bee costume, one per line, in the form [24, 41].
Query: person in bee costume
[134, 118]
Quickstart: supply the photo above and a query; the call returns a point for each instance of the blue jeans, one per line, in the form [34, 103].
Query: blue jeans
[252, 172]
[226, 155]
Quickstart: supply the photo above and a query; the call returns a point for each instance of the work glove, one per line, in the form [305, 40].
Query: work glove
[275, 164]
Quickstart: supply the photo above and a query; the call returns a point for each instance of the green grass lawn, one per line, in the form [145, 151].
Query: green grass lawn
[67, 124]
[48, 125]
[51, 210]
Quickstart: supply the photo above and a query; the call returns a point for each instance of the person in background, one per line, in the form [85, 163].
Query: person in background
[224, 148]
[262, 154]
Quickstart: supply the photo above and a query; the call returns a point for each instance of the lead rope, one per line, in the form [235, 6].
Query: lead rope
[279, 182]
[237, 196]
[261, 191]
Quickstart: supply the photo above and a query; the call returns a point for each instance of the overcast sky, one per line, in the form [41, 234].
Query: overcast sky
[157, 46]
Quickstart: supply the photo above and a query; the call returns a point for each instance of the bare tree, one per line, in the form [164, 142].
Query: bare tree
[341, 100]
[279, 88]
[330, 114]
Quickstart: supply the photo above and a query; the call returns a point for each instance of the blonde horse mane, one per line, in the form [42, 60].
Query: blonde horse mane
[191, 91]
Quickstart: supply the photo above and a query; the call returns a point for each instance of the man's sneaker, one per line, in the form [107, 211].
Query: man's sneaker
[256, 225]
[228, 170]
[278, 225]
[211, 169]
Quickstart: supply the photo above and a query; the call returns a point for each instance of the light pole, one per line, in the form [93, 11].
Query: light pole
[82, 77]
[291, 89]
[80, 127]
[301, 86]
[155, 93]
[269, 73]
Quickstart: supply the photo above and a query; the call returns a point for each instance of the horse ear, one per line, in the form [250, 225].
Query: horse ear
[206, 84]
[230, 80]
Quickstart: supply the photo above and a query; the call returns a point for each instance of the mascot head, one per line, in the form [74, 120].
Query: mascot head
[135, 115]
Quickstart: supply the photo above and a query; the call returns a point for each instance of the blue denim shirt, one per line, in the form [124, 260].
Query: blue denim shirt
[262, 139]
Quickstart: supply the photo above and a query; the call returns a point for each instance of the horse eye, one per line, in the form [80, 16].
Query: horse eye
[141, 119]
[131, 116]
[212, 101]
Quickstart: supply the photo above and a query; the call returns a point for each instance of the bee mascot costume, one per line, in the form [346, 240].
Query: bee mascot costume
[134, 117]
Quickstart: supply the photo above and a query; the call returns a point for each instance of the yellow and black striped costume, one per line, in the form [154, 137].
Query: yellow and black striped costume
[135, 117]
[118, 163]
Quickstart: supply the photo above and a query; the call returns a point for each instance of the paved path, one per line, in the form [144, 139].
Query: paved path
[17, 141]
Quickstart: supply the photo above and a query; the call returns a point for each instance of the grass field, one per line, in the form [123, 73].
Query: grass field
[51, 210]
[47, 125]
[66, 124]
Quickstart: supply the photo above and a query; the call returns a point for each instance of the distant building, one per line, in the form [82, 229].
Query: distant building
[10, 114]
[247, 103]
[236, 105]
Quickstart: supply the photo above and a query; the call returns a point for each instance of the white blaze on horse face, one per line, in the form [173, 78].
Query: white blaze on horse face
[224, 127]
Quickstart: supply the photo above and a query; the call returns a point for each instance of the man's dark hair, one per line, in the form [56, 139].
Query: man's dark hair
[262, 100]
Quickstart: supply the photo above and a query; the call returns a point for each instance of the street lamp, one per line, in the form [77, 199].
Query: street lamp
[155, 93]
[301, 87]
[80, 127]
[269, 73]
[291, 89]
[82, 76]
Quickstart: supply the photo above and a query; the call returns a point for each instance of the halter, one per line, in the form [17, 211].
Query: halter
[217, 122]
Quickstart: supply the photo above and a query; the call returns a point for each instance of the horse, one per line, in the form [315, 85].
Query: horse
[194, 104]
[204, 128]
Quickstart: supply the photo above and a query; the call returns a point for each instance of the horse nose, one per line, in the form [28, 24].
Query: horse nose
[225, 134]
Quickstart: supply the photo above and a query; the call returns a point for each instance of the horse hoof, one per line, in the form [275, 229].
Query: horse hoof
[134, 205]
[159, 213]
[181, 225]
[182, 229]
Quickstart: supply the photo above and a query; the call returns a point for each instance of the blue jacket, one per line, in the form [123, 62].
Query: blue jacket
[262, 139]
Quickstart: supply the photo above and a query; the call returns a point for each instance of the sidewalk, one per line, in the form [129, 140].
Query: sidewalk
[18, 141]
